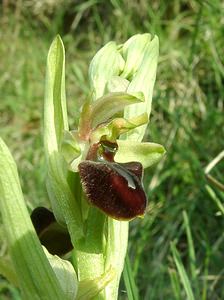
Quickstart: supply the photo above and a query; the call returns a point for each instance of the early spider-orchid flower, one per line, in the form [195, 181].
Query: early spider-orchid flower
[94, 178]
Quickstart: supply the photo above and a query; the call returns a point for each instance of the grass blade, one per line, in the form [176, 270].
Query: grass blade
[214, 197]
[191, 252]
[175, 283]
[182, 272]
[129, 281]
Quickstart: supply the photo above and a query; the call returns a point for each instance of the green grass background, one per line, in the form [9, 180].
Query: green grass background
[177, 250]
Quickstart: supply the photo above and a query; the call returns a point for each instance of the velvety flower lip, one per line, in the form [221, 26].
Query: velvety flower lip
[114, 188]
[42, 218]
[51, 234]
[134, 167]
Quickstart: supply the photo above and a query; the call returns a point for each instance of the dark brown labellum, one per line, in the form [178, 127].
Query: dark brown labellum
[51, 234]
[114, 188]
[134, 167]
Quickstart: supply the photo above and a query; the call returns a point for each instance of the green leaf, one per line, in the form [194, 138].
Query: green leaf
[88, 289]
[143, 81]
[65, 273]
[107, 106]
[61, 195]
[36, 277]
[145, 153]
[106, 63]
[55, 111]
[64, 204]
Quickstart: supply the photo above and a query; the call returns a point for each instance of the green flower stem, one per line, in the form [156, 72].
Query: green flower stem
[115, 253]
[36, 277]
[88, 289]
[91, 265]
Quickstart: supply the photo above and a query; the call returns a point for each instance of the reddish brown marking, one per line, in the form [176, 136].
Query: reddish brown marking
[114, 189]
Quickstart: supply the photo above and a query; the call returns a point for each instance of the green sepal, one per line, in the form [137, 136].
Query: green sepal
[107, 106]
[73, 166]
[88, 289]
[116, 127]
[65, 274]
[145, 153]
[133, 51]
[106, 63]
[70, 146]
[143, 81]
[117, 84]
[85, 121]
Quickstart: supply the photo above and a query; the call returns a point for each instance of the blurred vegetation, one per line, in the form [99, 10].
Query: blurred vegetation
[177, 250]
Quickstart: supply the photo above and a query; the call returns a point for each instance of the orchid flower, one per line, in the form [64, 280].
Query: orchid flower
[94, 178]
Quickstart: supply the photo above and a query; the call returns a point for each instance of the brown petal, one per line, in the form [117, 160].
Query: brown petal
[51, 234]
[114, 189]
[134, 167]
